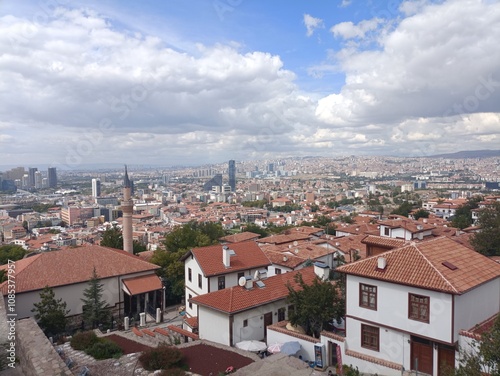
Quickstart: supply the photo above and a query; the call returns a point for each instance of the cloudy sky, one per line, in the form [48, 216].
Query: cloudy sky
[195, 81]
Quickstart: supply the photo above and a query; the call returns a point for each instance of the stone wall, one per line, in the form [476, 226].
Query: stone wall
[36, 354]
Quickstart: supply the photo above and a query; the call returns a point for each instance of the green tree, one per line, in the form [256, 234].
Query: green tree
[112, 238]
[421, 213]
[315, 304]
[50, 313]
[256, 229]
[11, 252]
[177, 243]
[95, 310]
[463, 214]
[487, 241]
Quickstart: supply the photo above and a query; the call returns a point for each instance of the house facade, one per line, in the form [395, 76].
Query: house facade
[405, 308]
[130, 285]
[217, 267]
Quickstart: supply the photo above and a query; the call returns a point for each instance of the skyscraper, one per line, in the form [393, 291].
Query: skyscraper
[232, 175]
[52, 175]
[31, 177]
[127, 209]
[96, 187]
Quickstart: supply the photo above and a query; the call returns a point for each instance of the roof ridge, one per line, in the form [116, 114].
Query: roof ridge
[436, 269]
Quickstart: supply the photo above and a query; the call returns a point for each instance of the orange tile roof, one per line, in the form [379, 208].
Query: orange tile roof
[248, 256]
[278, 258]
[238, 299]
[284, 238]
[142, 284]
[383, 241]
[421, 265]
[74, 265]
[242, 236]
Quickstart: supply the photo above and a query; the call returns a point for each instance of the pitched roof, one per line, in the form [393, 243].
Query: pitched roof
[439, 264]
[248, 255]
[240, 237]
[284, 238]
[73, 265]
[142, 284]
[237, 299]
[383, 241]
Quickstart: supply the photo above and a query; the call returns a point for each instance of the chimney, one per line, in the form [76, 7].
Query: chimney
[226, 256]
[381, 263]
[249, 283]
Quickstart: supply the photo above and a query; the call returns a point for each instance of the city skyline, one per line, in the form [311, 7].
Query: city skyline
[190, 83]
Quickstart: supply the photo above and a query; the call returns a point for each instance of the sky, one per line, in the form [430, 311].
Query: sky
[191, 82]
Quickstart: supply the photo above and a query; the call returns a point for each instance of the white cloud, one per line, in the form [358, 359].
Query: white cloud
[312, 24]
[348, 30]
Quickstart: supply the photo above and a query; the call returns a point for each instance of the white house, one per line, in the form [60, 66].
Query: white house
[217, 267]
[243, 313]
[406, 229]
[406, 307]
[130, 284]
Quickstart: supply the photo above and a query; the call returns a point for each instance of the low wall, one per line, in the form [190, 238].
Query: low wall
[36, 354]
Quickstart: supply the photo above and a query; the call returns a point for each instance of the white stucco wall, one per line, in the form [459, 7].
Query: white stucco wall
[72, 295]
[467, 314]
[306, 347]
[191, 288]
[392, 308]
[213, 326]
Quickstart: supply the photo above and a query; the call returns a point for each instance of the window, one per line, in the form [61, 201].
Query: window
[281, 314]
[221, 282]
[418, 307]
[370, 337]
[242, 274]
[387, 231]
[277, 270]
[245, 323]
[368, 296]
[190, 304]
[200, 281]
[190, 275]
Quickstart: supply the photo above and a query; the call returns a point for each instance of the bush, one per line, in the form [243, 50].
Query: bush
[173, 372]
[161, 357]
[104, 349]
[83, 340]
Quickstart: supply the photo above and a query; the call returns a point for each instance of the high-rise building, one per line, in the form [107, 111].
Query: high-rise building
[96, 187]
[38, 179]
[127, 208]
[215, 181]
[232, 175]
[31, 176]
[52, 176]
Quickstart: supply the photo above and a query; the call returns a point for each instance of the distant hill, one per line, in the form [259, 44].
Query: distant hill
[469, 154]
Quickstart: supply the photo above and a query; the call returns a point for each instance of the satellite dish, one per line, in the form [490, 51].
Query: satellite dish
[295, 243]
[285, 258]
[296, 250]
[242, 281]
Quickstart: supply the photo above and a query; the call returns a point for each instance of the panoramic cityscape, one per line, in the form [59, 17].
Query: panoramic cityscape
[236, 187]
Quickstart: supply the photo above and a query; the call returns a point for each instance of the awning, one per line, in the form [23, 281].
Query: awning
[142, 284]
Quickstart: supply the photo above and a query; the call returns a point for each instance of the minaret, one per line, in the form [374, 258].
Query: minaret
[127, 208]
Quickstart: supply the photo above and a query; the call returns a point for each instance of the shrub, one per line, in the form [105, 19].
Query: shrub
[104, 349]
[173, 372]
[83, 340]
[161, 357]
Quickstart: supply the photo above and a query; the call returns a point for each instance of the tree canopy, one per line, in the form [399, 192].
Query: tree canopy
[113, 238]
[50, 313]
[487, 240]
[95, 309]
[177, 243]
[463, 214]
[315, 305]
[11, 252]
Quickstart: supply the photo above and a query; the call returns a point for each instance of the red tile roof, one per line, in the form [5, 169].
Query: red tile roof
[142, 284]
[282, 238]
[242, 236]
[421, 265]
[248, 255]
[74, 265]
[237, 299]
[383, 241]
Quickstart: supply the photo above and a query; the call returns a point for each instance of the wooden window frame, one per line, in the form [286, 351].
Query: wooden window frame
[370, 335]
[200, 281]
[277, 271]
[418, 316]
[190, 275]
[369, 294]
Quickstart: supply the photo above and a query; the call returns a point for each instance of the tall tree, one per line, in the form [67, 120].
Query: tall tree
[487, 240]
[315, 304]
[95, 310]
[50, 313]
[112, 238]
[463, 214]
[11, 252]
